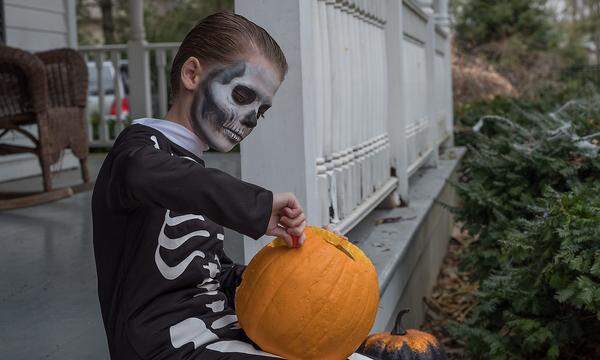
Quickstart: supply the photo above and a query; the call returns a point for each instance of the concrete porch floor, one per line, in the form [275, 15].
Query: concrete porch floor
[48, 298]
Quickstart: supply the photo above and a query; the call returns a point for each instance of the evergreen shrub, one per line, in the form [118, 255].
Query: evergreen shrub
[531, 193]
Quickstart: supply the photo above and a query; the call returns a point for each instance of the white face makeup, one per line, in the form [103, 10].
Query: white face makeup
[230, 101]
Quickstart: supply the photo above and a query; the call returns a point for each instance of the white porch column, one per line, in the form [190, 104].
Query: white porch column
[71, 21]
[394, 35]
[441, 14]
[281, 153]
[139, 64]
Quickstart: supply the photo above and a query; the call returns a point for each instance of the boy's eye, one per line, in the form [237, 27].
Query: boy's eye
[243, 95]
[262, 110]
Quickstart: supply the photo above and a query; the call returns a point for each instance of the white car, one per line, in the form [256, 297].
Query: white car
[108, 83]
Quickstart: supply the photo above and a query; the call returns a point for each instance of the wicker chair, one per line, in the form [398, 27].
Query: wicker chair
[47, 89]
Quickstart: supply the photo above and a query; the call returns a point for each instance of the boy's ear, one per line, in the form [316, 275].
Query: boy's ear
[191, 74]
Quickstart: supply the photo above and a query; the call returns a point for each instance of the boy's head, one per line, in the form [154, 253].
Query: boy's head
[226, 71]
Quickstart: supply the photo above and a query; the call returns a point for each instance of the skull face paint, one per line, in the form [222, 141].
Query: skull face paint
[230, 101]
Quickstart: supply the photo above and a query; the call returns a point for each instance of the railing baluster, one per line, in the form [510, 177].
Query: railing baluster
[320, 116]
[89, 125]
[365, 73]
[335, 50]
[355, 51]
[347, 108]
[161, 62]
[116, 58]
[102, 125]
[326, 113]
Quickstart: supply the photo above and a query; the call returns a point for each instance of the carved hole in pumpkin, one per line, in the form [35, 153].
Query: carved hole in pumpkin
[278, 242]
[345, 251]
[340, 246]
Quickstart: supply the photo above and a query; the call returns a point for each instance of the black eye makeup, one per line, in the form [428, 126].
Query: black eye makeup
[262, 110]
[243, 95]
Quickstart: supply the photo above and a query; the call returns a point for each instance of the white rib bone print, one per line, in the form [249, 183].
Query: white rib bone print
[173, 272]
[209, 286]
[224, 321]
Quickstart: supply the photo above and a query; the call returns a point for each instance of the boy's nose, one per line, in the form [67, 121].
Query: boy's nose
[250, 120]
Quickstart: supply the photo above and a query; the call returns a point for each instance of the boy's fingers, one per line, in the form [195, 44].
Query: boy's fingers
[288, 223]
[292, 213]
[280, 232]
[292, 202]
[297, 230]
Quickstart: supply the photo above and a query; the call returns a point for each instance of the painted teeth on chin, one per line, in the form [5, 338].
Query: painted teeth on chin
[232, 135]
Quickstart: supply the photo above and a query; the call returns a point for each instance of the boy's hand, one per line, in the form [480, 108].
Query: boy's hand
[287, 219]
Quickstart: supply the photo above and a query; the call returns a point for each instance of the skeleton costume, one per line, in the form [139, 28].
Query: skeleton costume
[166, 287]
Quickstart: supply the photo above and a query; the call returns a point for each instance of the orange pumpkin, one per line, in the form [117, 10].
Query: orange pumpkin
[318, 301]
[403, 344]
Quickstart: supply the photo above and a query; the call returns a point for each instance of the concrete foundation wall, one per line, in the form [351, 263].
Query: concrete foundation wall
[435, 235]
[408, 253]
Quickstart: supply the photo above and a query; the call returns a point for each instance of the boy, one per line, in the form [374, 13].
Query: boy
[166, 288]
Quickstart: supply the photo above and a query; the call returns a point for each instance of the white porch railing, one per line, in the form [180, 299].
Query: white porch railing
[104, 124]
[351, 100]
[366, 103]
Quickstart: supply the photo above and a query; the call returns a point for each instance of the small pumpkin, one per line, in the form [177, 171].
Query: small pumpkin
[317, 301]
[401, 344]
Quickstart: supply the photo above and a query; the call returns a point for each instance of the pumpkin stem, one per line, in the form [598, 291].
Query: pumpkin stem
[398, 329]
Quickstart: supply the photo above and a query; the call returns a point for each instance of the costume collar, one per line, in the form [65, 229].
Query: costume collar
[176, 133]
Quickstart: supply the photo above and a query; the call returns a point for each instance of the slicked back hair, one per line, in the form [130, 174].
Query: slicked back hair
[224, 38]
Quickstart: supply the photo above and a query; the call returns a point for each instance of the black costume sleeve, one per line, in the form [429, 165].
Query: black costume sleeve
[145, 174]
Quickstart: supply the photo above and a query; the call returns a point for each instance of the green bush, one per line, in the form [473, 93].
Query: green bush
[531, 192]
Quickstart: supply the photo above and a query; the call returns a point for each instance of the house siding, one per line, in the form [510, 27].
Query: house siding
[36, 25]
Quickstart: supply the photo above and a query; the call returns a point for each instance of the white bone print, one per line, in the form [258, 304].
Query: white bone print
[212, 268]
[210, 286]
[224, 321]
[173, 272]
[153, 138]
[220, 237]
[192, 330]
[205, 281]
[216, 306]
[236, 346]
[174, 221]
[155, 141]
[189, 158]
